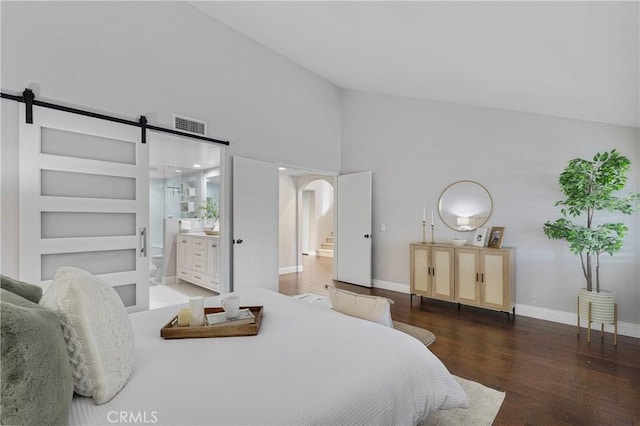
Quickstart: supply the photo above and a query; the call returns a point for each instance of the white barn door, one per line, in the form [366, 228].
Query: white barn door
[352, 255]
[255, 224]
[84, 201]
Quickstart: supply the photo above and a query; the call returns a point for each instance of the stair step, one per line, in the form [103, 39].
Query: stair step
[329, 239]
[328, 246]
[324, 252]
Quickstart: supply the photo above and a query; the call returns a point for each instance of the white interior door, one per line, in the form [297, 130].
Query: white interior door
[353, 226]
[255, 224]
[84, 201]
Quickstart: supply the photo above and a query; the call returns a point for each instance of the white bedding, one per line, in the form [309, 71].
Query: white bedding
[307, 365]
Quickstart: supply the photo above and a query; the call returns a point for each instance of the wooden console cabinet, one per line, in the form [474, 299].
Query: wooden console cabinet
[482, 277]
[432, 271]
[197, 259]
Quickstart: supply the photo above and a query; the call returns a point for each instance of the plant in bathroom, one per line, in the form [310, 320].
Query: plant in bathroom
[590, 186]
[209, 209]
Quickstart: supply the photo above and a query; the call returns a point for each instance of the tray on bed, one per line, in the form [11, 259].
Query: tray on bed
[172, 331]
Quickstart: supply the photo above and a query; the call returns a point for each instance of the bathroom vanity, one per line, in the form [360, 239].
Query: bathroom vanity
[197, 259]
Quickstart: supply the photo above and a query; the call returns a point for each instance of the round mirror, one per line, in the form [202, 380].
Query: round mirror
[465, 205]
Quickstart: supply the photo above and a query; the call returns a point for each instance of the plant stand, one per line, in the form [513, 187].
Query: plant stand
[598, 307]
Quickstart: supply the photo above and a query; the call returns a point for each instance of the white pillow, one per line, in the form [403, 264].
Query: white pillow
[97, 331]
[372, 308]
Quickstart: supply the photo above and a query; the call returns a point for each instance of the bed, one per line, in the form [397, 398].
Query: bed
[307, 365]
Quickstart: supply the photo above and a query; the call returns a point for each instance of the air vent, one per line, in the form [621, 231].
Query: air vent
[189, 125]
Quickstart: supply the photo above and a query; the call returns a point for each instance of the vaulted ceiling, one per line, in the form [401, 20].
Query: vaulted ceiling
[569, 59]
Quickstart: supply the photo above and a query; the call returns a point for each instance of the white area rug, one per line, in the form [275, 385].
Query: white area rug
[484, 404]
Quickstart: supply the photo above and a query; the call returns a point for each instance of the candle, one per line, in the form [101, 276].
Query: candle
[431, 217]
[424, 213]
[197, 311]
[184, 317]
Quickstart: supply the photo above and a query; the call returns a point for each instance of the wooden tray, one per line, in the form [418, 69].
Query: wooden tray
[172, 331]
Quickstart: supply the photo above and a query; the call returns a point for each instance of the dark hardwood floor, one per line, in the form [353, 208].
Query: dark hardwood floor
[550, 375]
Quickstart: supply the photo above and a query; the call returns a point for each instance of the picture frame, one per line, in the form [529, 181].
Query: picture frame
[495, 237]
[480, 237]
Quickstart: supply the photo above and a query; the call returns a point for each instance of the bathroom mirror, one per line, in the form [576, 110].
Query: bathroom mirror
[465, 205]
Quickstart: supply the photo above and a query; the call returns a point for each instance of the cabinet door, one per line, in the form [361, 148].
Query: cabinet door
[183, 252]
[494, 279]
[467, 276]
[420, 270]
[212, 259]
[442, 272]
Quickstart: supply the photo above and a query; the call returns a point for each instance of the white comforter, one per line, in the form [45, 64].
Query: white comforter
[307, 365]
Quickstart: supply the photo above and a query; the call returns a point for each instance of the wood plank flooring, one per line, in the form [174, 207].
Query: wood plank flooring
[550, 375]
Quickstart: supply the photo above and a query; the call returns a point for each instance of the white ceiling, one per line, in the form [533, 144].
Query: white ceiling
[568, 59]
[168, 153]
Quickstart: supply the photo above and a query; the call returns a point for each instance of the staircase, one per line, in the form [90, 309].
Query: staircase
[326, 248]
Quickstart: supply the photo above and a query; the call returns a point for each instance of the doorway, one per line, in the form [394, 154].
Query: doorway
[306, 231]
[184, 195]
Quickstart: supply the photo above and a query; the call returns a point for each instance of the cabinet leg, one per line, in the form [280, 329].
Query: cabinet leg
[508, 316]
[458, 307]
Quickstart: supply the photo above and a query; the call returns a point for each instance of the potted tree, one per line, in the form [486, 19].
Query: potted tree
[591, 186]
[209, 211]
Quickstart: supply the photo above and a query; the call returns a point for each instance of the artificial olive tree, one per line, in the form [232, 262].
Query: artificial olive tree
[590, 186]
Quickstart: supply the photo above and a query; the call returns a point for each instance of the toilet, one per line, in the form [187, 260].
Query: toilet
[157, 259]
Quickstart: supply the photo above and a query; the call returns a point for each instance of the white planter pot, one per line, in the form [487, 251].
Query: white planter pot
[602, 305]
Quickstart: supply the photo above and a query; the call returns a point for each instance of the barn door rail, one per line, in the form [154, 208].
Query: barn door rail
[28, 98]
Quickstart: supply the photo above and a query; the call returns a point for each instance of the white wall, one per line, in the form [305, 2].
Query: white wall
[288, 222]
[416, 148]
[156, 58]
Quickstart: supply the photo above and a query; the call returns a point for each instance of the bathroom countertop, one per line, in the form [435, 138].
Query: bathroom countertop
[199, 234]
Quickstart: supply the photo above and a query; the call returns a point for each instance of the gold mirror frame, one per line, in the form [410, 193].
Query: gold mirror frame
[466, 212]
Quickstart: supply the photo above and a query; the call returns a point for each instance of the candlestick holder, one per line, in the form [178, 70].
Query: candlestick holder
[424, 232]
[432, 240]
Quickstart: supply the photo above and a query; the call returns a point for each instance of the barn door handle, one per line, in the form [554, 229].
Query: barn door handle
[143, 242]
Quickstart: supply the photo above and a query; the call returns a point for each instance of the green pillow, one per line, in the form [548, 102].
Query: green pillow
[28, 291]
[37, 386]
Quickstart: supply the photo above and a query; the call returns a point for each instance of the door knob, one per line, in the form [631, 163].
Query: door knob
[238, 241]
[366, 235]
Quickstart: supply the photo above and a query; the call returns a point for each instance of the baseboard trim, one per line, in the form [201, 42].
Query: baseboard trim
[624, 328]
[290, 269]
[569, 318]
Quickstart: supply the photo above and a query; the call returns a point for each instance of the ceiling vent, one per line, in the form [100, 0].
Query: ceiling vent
[189, 125]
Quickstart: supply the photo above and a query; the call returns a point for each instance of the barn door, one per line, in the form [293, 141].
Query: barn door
[84, 201]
